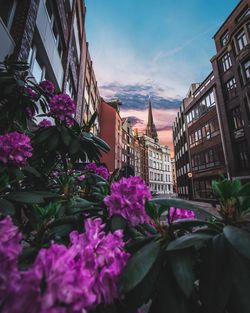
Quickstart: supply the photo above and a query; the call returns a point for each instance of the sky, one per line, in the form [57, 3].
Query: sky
[155, 48]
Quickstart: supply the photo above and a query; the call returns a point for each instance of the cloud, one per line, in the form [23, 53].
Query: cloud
[163, 119]
[135, 120]
[136, 96]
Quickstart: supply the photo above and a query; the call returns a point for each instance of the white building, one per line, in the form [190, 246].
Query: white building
[159, 161]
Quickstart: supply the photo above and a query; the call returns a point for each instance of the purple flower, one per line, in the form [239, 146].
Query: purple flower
[31, 93]
[99, 170]
[15, 148]
[48, 87]
[178, 214]
[10, 249]
[128, 198]
[81, 178]
[63, 108]
[70, 279]
[30, 113]
[45, 123]
[103, 255]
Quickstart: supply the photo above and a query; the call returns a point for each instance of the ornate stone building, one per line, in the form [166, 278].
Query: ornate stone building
[159, 168]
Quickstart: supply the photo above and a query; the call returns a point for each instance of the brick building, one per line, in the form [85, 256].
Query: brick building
[231, 67]
[111, 133]
[203, 132]
[50, 36]
[128, 147]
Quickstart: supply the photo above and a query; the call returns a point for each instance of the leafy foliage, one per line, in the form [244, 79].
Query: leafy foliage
[187, 265]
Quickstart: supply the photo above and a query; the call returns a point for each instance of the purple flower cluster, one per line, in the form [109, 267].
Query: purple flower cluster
[15, 148]
[48, 87]
[45, 123]
[99, 170]
[31, 93]
[178, 214]
[63, 108]
[69, 280]
[128, 198]
[10, 248]
[81, 178]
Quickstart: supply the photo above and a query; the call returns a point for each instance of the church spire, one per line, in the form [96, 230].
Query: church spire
[151, 129]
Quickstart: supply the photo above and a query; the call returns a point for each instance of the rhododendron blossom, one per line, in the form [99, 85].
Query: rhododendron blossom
[15, 149]
[45, 123]
[99, 170]
[31, 93]
[70, 279]
[63, 108]
[10, 249]
[127, 198]
[178, 214]
[48, 87]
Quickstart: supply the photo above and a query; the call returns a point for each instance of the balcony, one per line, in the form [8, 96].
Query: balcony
[48, 40]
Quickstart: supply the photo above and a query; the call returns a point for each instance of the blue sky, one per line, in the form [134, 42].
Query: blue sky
[152, 47]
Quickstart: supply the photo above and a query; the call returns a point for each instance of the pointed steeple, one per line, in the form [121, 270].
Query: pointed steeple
[151, 129]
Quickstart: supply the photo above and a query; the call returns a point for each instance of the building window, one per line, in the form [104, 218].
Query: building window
[236, 119]
[54, 27]
[231, 88]
[247, 107]
[207, 159]
[226, 62]
[241, 40]
[37, 67]
[242, 155]
[224, 38]
[8, 8]
[243, 13]
[247, 69]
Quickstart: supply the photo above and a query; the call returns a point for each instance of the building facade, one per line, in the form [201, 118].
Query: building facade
[231, 67]
[50, 36]
[128, 147]
[159, 169]
[111, 133]
[182, 162]
[174, 175]
[203, 132]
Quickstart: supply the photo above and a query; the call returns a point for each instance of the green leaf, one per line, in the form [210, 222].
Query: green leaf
[187, 241]
[182, 266]
[169, 298]
[139, 243]
[215, 276]
[6, 207]
[244, 190]
[239, 239]
[66, 138]
[31, 170]
[239, 300]
[81, 204]
[43, 135]
[53, 142]
[145, 289]
[25, 197]
[118, 222]
[190, 223]
[74, 146]
[138, 266]
[179, 203]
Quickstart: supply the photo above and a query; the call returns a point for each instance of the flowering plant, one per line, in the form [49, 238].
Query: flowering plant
[63, 108]
[83, 242]
[15, 148]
